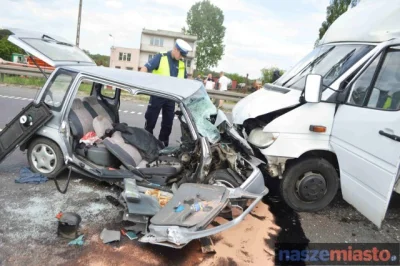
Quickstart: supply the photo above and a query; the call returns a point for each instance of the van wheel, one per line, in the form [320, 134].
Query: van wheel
[309, 185]
[45, 157]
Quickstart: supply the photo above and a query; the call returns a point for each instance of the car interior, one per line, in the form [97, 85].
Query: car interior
[110, 151]
[113, 153]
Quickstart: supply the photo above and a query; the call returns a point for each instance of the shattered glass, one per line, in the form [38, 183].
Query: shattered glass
[202, 109]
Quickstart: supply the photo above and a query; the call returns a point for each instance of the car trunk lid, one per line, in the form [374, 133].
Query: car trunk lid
[54, 50]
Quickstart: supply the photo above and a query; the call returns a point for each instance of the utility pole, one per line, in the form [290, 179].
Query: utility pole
[79, 23]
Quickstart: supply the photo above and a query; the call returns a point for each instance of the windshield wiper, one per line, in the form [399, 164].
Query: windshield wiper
[311, 64]
[341, 61]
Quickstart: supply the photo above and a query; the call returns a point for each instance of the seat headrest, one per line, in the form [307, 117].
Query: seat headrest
[91, 100]
[77, 104]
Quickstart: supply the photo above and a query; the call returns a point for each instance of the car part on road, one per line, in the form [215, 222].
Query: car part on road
[309, 184]
[68, 225]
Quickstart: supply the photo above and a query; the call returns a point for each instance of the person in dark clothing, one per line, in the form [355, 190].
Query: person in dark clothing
[165, 64]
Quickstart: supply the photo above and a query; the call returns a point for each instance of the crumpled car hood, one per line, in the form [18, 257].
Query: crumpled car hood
[262, 102]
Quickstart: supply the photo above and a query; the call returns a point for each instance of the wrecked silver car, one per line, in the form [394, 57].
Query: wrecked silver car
[174, 192]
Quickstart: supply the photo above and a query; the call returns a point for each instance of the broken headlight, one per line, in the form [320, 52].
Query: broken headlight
[262, 139]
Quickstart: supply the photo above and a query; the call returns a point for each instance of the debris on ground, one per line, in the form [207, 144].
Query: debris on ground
[79, 241]
[29, 177]
[131, 235]
[162, 198]
[68, 224]
[109, 236]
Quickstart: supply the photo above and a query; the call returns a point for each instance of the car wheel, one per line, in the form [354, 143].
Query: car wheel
[45, 157]
[222, 177]
[309, 185]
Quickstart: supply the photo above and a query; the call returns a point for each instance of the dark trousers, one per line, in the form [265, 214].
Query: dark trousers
[152, 113]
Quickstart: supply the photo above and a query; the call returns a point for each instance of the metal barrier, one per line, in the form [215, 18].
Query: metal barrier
[35, 72]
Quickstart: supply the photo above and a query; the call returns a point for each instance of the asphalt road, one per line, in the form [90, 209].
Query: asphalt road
[20, 204]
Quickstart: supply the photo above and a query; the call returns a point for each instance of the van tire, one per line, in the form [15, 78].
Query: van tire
[52, 148]
[292, 189]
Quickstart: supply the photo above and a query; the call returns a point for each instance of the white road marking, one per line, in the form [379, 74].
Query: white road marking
[27, 99]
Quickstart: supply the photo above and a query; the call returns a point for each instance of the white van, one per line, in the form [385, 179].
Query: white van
[334, 119]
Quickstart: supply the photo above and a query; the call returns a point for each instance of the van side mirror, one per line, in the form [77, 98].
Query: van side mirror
[313, 88]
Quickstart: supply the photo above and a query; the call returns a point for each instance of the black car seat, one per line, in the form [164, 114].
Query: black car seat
[81, 122]
[97, 107]
[131, 158]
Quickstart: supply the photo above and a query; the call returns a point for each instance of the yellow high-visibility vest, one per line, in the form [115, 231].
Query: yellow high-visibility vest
[163, 68]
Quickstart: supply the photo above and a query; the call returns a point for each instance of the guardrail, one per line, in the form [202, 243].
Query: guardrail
[35, 72]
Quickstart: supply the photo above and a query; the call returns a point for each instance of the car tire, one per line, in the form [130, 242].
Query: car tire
[45, 157]
[302, 185]
[223, 177]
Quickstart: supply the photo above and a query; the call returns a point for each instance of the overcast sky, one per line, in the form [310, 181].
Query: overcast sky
[260, 33]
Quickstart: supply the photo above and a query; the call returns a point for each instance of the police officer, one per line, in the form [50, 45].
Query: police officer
[165, 64]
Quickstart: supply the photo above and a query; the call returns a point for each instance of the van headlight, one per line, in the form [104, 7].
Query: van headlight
[262, 139]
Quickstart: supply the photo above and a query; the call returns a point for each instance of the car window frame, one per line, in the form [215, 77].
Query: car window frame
[60, 71]
[382, 54]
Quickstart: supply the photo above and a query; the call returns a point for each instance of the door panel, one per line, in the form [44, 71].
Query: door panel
[22, 127]
[368, 159]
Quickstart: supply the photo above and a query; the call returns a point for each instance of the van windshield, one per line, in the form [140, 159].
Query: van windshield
[329, 61]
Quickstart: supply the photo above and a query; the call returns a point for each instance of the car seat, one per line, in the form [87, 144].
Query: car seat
[81, 123]
[97, 107]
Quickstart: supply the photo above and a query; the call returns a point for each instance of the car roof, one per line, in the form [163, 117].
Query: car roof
[370, 21]
[180, 88]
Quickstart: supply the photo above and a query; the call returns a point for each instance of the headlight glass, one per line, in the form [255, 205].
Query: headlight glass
[262, 139]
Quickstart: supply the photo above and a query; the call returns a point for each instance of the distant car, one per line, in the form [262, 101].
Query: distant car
[213, 164]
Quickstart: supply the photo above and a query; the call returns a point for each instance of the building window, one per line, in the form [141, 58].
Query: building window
[188, 62]
[124, 56]
[157, 41]
[117, 67]
[129, 68]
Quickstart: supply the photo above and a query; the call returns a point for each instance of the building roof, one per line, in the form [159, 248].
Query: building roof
[180, 88]
[172, 34]
[369, 21]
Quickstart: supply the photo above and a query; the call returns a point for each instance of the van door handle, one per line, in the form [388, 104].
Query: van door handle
[390, 136]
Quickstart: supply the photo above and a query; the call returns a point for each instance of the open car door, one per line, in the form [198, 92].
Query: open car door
[22, 127]
[366, 136]
[54, 50]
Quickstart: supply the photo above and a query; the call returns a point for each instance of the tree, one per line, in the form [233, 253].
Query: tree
[100, 60]
[333, 11]
[205, 21]
[7, 48]
[267, 74]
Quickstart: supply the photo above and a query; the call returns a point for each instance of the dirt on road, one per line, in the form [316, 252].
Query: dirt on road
[28, 235]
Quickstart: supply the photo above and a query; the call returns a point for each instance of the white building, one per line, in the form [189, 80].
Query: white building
[156, 41]
[124, 58]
